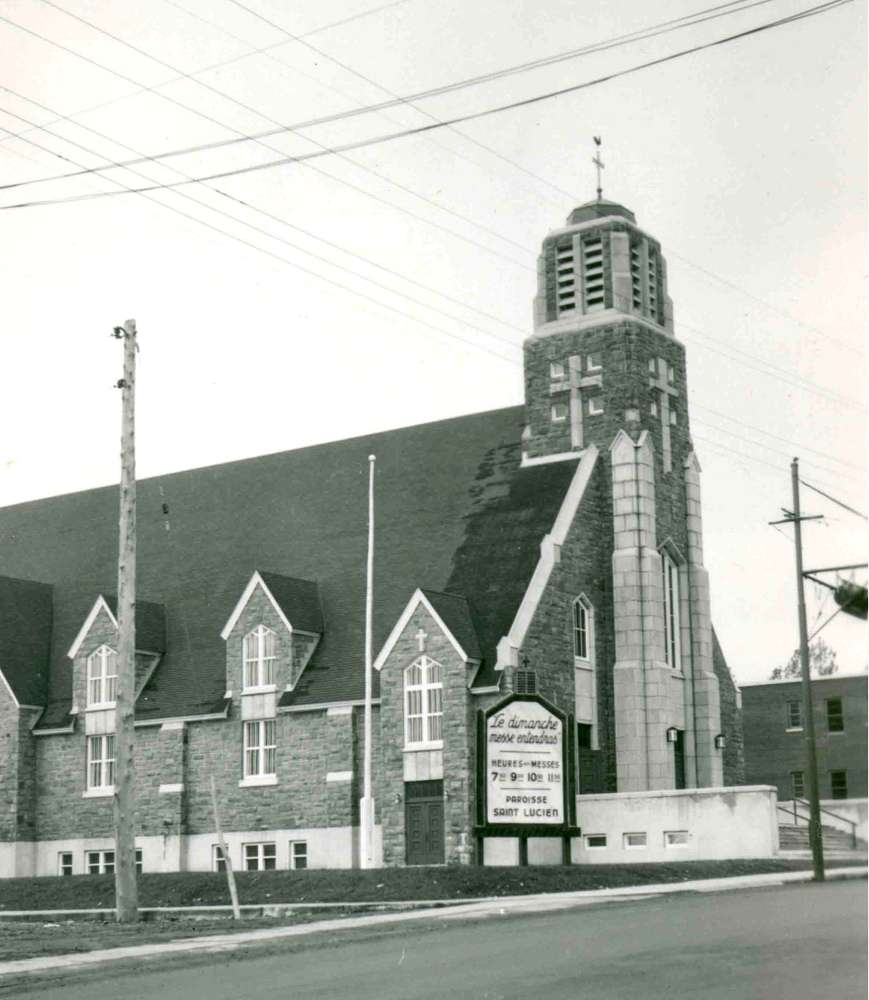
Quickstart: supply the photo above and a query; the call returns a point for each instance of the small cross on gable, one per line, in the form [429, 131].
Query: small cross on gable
[573, 384]
[421, 637]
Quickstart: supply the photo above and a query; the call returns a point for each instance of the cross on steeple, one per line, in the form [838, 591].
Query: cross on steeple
[665, 389]
[573, 384]
[598, 164]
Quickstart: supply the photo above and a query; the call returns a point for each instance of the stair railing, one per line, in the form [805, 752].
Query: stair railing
[826, 812]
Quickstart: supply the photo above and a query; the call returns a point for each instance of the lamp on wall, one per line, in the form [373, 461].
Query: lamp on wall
[396, 798]
[720, 742]
[672, 734]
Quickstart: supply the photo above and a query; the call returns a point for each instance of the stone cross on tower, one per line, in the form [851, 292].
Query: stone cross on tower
[663, 383]
[573, 384]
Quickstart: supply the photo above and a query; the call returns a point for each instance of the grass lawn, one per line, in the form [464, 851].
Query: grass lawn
[379, 885]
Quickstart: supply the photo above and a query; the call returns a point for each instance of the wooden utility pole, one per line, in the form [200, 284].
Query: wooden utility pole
[221, 843]
[815, 837]
[366, 806]
[126, 892]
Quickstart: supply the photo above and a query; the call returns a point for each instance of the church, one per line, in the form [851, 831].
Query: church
[553, 549]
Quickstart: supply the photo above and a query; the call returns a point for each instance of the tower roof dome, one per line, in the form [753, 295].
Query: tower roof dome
[599, 210]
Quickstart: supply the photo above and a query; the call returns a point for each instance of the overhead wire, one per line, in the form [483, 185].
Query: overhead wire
[835, 501]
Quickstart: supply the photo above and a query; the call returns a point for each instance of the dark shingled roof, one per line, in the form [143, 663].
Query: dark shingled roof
[456, 615]
[25, 634]
[454, 513]
[150, 623]
[298, 599]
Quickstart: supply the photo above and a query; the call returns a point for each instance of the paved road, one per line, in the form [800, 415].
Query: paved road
[794, 942]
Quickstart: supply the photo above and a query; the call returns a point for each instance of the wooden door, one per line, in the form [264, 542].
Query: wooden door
[424, 826]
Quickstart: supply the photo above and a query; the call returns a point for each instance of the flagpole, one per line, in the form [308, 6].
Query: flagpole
[366, 806]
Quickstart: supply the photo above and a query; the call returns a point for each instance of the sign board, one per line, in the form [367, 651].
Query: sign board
[525, 771]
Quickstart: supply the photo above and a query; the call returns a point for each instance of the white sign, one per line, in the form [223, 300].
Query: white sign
[525, 765]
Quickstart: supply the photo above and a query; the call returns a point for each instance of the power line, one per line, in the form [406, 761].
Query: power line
[835, 501]
[420, 130]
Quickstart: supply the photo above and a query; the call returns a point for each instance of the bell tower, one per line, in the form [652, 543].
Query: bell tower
[604, 367]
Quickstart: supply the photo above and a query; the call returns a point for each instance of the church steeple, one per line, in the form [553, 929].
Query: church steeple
[603, 356]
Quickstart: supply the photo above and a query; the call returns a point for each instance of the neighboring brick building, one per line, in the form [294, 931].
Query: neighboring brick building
[775, 743]
[564, 538]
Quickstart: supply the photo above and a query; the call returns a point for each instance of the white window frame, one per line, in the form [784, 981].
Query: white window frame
[791, 728]
[639, 846]
[593, 363]
[595, 847]
[102, 677]
[428, 708]
[299, 855]
[676, 839]
[260, 750]
[802, 793]
[259, 652]
[595, 406]
[60, 864]
[103, 779]
[581, 629]
[559, 412]
[672, 611]
[218, 858]
[260, 853]
[556, 370]
[102, 864]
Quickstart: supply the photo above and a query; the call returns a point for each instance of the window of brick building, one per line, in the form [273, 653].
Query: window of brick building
[260, 747]
[559, 412]
[64, 863]
[556, 370]
[260, 656]
[100, 862]
[594, 363]
[102, 676]
[139, 864]
[259, 857]
[595, 405]
[835, 717]
[218, 862]
[794, 715]
[838, 784]
[298, 854]
[101, 761]
[798, 784]
[423, 702]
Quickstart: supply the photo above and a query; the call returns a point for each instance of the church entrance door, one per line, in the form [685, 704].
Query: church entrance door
[424, 822]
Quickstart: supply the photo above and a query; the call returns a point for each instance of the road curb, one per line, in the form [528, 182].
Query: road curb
[34, 967]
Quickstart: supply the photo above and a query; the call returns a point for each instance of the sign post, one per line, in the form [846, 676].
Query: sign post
[526, 773]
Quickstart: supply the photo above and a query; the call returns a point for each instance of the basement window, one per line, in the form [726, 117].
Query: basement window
[595, 841]
[259, 857]
[635, 841]
[298, 854]
[64, 863]
[139, 865]
[218, 861]
[100, 862]
[676, 838]
[838, 784]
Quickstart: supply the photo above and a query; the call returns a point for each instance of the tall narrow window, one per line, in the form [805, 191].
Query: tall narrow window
[838, 784]
[798, 784]
[653, 286]
[565, 279]
[102, 676]
[636, 280]
[259, 747]
[592, 274]
[670, 573]
[101, 761]
[835, 716]
[585, 676]
[580, 630]
[423, 694]
[795, 715]
[260, 655]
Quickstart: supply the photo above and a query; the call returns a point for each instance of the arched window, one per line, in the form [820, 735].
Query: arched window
[581, 637]
[260, 655]
[423, 702]
[670, 581]
[102, 676]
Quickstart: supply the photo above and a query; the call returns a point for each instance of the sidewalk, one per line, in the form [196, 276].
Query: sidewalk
[447, 909]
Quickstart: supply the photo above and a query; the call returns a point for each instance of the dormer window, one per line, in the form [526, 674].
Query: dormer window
[260, 656]
[102, 676]
[423, 702]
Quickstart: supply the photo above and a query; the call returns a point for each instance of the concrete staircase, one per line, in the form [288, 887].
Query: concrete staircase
[795, 839]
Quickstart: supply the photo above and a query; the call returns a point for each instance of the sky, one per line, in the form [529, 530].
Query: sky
[391, 284]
